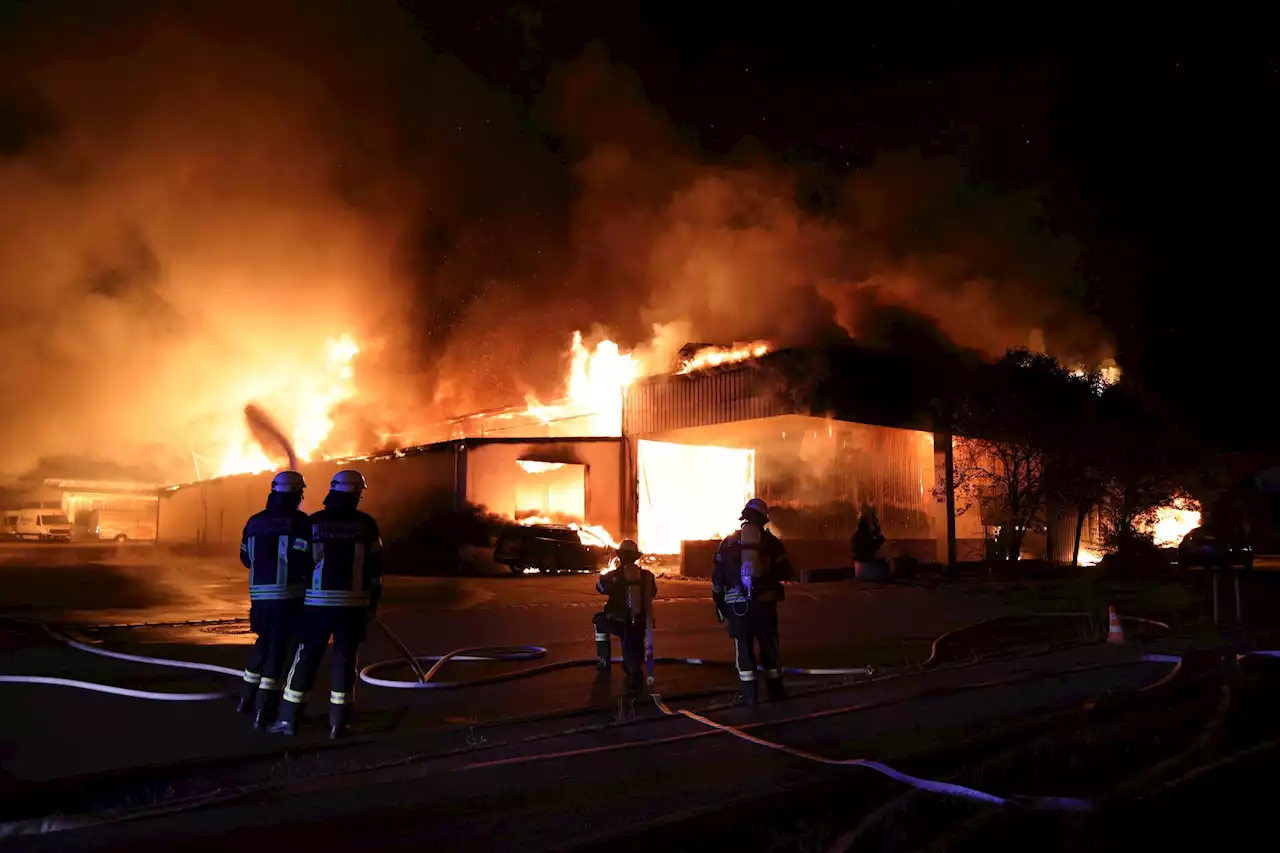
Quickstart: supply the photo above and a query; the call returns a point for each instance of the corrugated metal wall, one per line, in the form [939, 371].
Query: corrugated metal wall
[1062, 533]
[399, 486]
[819, 479]
[664, 403]
[402, 488]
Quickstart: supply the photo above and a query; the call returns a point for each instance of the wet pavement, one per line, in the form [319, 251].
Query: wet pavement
[581, 787]
[439, 766]
[51, 732]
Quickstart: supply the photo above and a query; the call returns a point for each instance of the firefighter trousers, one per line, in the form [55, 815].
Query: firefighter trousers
[275, 623]
[757, 628]
[347, 626]
[632, 640]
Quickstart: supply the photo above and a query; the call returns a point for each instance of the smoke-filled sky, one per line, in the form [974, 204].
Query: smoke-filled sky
[194, 197]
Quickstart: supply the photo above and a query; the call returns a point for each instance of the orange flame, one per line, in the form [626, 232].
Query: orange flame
[715, 356]
[1089, 557]
[598, 378]
[1171, 523]
[1109, 373]
[538, 467]
[303, 403]
[588, 534]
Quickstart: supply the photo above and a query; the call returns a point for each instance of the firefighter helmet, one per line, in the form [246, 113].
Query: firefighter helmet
[629, 547]
[288, 481]
[348, 481]
[757, 506]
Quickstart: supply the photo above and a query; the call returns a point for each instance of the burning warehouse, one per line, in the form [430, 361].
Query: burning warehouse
[668, 459]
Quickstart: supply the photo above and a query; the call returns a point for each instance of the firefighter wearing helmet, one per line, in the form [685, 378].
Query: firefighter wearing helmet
[275, 547]
[746, 584]
[339, 603]
[627, 615]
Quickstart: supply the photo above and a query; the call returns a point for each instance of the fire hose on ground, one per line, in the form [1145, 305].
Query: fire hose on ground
[426, 679]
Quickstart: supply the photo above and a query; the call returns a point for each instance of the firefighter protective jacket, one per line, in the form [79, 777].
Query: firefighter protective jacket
[276, 549]
[726, 577]
[346, 548]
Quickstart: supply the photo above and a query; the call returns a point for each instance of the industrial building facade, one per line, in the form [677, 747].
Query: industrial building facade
[129, 510]
[812, 436]
[561, 477]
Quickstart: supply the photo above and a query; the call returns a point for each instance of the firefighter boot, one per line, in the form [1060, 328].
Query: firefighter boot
[287, 724]
[750, 692]
[773, 686]
[339, 720]
[248, 694]
[603, 654]
[267, 707]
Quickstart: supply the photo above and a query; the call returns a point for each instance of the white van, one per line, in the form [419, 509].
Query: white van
[44, 524]
[120, 525]
[9, 526]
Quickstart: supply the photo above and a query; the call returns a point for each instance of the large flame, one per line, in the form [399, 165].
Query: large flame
[1167, 526]
[302, 403]
[690, 492]
[593, 390]
[1173, 522]
[599, 376]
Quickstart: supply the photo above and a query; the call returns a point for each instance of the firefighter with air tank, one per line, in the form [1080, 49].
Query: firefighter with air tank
[275, 547]
[339, 603]
[746, 584]
[627, 615]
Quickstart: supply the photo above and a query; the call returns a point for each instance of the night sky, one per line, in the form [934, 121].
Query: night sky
[1157, 151]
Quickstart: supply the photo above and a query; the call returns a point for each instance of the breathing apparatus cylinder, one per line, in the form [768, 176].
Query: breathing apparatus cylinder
[751, 535]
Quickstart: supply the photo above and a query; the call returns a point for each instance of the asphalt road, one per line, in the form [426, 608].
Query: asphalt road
[582, 787]
[52, 732]
[535, 785]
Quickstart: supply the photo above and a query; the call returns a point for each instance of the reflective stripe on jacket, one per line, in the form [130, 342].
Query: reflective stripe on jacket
[274, 548]
[346, 548]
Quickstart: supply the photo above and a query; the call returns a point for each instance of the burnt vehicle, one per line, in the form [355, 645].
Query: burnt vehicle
[550, 549]
[1208, 549]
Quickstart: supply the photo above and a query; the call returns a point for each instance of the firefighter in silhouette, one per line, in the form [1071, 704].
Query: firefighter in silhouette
[627, 615]
[340, 602]
[275, 547]
[746, 584]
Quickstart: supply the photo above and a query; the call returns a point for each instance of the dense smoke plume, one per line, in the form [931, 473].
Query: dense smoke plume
[730, 251]
[193, 202]
[186, 210]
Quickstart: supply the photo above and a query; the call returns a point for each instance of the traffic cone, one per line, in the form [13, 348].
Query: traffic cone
[1115, 631]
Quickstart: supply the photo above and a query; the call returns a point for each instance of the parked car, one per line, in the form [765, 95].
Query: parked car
[550, 548]
[47, 525]
[1207, 549]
